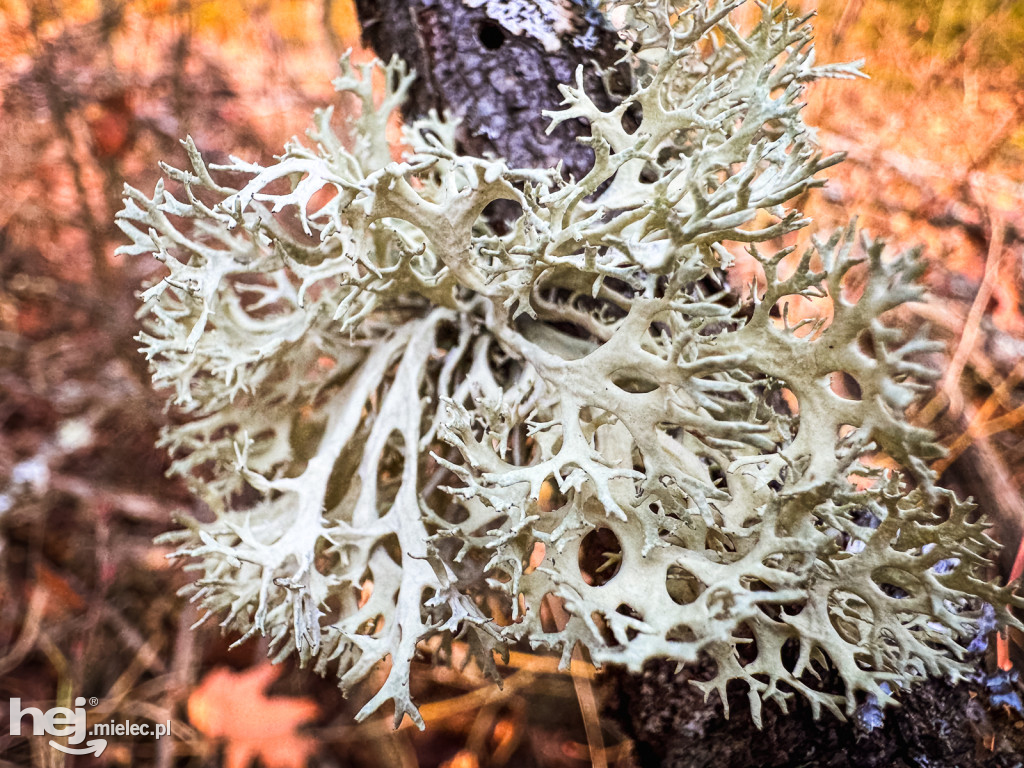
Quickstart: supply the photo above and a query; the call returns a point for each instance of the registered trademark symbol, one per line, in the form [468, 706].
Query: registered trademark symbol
[93, 701]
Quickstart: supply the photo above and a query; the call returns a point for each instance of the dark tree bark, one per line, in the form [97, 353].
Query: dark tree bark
[976, 724]
[498, 79]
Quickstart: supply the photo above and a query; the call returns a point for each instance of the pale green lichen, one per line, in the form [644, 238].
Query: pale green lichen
[379, 387]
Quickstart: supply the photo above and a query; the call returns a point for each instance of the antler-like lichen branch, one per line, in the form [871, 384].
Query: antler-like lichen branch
[381, 388]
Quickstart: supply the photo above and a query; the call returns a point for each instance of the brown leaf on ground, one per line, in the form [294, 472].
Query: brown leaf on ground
[234, 707]
[462, 759]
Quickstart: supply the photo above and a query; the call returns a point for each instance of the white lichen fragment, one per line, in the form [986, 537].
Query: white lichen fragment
[380, 388]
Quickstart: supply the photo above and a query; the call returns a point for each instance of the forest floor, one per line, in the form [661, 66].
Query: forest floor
[92, 95]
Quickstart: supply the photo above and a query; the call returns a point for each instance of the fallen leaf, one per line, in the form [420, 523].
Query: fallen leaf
[233, 707]
[62, 600]
[111, 124]
[462, 759]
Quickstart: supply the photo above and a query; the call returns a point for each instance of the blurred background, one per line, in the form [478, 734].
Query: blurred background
[94, 93]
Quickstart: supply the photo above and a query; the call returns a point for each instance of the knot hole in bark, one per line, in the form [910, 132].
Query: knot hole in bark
[491, 35]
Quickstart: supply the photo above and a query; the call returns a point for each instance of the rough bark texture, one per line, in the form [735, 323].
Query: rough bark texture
[497, 81]
[972, 725]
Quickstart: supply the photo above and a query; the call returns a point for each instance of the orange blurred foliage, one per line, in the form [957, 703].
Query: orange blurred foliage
[462, 759]
[233, 707]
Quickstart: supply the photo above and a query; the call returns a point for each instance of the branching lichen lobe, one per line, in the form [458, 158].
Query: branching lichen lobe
[401, 385]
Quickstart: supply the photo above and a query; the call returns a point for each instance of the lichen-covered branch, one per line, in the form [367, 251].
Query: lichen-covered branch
[381, 387]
